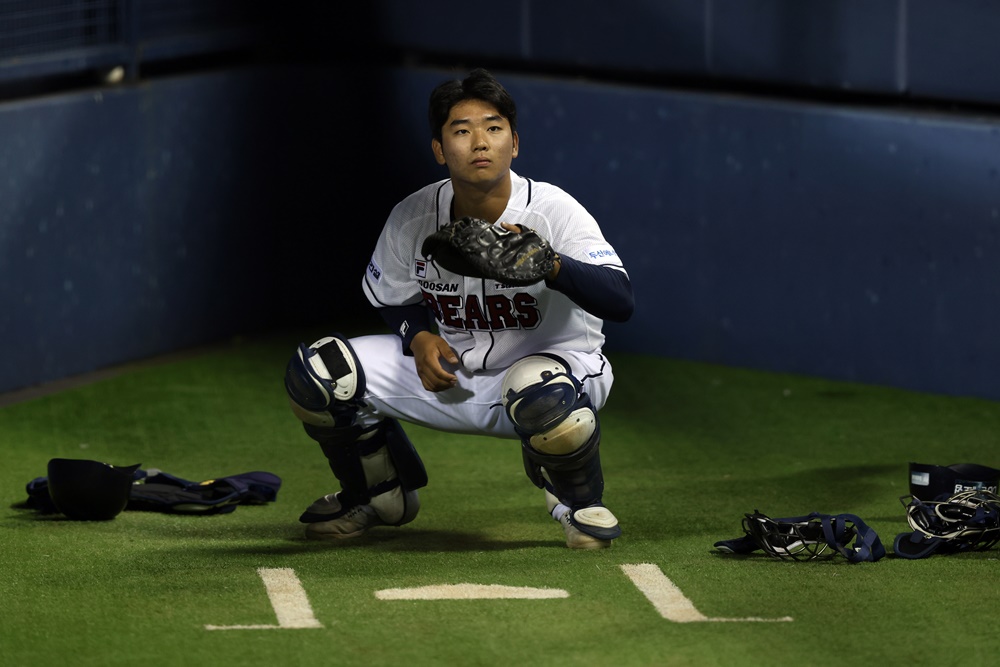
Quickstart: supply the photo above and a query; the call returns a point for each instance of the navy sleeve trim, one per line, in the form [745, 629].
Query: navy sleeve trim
[602, 291]
[406, 322]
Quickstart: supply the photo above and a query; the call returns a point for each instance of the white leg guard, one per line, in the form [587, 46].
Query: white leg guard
[560, 434]
[378, 468]
[396, 505]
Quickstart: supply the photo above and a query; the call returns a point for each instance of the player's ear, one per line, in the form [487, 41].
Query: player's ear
[438, 151]
[514, 152]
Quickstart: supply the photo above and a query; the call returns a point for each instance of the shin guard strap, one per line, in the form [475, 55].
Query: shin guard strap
[577, 478]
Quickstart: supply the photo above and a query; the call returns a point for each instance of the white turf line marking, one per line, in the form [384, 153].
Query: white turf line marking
[671, 602]
[288, 599]
[471, 592]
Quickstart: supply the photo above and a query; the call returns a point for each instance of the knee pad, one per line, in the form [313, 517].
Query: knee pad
[325, 382]
[546, 406]
[378, 466]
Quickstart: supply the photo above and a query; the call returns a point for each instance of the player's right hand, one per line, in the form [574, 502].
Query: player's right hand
[428, 351]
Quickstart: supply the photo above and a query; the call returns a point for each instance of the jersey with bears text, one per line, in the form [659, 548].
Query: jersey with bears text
[491, 325]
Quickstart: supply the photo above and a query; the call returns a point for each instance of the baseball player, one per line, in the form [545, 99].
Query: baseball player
[470, 355]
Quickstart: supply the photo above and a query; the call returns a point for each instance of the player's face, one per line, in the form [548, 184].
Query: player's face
[477, 144]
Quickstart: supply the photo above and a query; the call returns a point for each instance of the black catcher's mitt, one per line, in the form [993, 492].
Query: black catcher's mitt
[477, 248]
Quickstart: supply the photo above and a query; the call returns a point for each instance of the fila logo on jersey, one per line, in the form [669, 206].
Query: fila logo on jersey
[420, 268]
[374, 271]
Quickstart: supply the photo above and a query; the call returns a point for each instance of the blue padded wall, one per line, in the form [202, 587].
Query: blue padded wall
[141, 220]
[902, 48]
[855, 243]
[852, 244]
[122, 224]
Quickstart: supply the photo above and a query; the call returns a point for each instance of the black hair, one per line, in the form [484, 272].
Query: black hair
[479, 85]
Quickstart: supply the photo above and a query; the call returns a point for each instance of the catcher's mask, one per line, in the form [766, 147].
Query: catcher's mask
[806, 537]
[89, 490]
[967, 521]
[931, 482]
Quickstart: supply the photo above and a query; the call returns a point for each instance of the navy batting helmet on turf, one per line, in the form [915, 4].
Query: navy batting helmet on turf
[89, 490]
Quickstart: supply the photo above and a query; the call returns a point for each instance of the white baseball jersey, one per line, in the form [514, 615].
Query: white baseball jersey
[488, 324]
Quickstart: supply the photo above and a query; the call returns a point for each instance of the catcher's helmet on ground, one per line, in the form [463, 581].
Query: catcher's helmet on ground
[89, 490]
[806, 537]
[967, 521]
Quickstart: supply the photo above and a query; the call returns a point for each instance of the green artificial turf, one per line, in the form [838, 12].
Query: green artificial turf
[688, 448]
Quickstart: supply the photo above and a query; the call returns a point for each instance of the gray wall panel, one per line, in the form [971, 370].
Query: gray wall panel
[637, 35]
[954, 49]
[476, 28]
[843, 45]
[924, 48]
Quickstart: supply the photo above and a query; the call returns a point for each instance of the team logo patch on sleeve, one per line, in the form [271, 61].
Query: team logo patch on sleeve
[374, 270]
[600, 254]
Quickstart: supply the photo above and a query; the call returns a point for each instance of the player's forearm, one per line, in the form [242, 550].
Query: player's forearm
[600, 290]
[406, 322]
